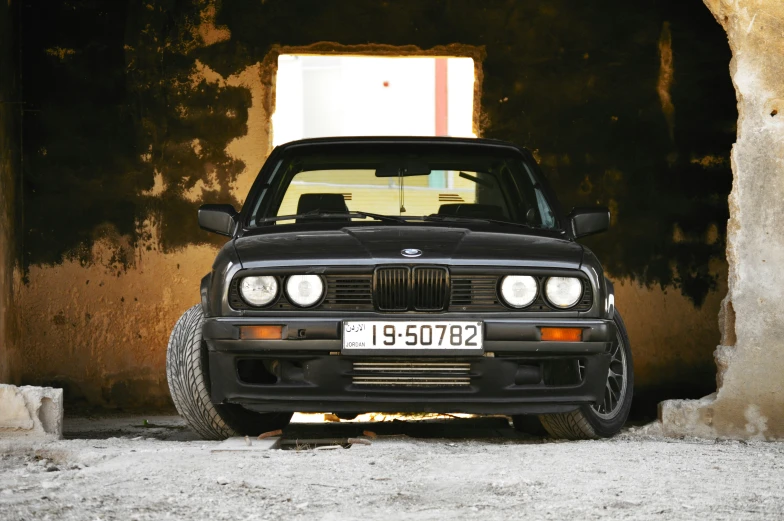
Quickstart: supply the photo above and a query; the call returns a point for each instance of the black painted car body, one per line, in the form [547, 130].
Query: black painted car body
[308, 369]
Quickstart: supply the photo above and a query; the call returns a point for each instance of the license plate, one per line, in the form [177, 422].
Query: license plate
[412, 335]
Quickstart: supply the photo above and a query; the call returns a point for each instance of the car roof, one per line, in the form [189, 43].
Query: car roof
[474, 143]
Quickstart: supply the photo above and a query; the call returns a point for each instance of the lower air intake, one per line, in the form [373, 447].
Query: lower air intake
[412, 374]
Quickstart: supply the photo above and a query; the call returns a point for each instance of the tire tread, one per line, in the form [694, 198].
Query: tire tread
[186, 376]
[569, 426]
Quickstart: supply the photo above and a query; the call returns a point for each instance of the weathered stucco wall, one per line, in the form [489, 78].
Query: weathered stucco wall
[10, 152]
[162, 107]
[750, 398]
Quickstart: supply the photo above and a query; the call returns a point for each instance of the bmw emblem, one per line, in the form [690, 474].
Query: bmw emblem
[411, 252]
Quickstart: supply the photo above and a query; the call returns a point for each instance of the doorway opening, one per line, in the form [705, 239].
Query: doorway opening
[321, 96]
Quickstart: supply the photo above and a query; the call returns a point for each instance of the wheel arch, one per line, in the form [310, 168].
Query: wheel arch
[204, 291]
[609, 299]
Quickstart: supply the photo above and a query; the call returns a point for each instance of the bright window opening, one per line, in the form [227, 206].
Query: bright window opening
[320, 96]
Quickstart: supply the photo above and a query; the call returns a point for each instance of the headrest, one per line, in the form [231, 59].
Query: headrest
[322, 203]
[480, 211]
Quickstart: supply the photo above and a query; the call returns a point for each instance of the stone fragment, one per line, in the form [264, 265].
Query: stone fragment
[687, 418]
[238, 444]
[13, 412]
[31, 411]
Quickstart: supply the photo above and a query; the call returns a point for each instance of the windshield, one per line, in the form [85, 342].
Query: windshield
[402, 187]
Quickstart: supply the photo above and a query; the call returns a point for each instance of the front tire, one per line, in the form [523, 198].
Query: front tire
[187, 371]
[605, 419]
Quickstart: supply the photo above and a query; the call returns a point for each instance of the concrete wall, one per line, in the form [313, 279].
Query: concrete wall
[163, 107]
[750, 398]
[10, 153]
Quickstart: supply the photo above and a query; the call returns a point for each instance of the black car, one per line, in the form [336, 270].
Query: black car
[402, 275]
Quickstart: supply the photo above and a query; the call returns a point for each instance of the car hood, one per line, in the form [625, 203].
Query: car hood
[383, 244]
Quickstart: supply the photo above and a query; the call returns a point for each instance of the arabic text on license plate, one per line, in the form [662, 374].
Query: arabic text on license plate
[412, 335]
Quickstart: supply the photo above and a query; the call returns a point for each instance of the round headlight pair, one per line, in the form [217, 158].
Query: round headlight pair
[302, 290]
[519, 291]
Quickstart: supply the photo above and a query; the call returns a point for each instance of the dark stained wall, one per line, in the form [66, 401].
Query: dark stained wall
[139, 113]
[10, 156]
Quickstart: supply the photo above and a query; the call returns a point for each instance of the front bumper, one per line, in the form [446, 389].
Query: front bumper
[516, 374]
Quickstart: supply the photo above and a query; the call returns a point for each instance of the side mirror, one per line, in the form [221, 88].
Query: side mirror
[217, 218]
[590, 220]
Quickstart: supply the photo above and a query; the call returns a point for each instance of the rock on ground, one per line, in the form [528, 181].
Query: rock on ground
[31, 411]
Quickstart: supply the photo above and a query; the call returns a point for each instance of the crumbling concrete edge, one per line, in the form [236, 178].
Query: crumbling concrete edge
[29, 411]
[681, 418]
[749, 402]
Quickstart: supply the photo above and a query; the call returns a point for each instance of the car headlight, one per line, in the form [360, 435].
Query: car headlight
[304, 290]
[563, 292]
[259, 291]
[519, 291]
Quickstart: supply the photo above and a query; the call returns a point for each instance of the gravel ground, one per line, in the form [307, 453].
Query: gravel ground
[118, 468]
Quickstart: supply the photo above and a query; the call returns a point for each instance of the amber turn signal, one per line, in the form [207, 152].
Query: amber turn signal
[562, 334]
[261, 332]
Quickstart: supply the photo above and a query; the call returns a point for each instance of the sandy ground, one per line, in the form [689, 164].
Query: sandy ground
[118, 468]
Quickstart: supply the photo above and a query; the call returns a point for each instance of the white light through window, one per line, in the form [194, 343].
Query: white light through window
[319, 96]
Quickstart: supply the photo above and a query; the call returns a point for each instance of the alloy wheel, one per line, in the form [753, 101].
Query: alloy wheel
[615, 387]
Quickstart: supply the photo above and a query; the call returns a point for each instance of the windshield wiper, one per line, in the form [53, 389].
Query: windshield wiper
[380, 217]
[317, 214]
[458, 218]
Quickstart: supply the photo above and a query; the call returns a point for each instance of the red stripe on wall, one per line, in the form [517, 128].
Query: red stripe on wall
[442, 98]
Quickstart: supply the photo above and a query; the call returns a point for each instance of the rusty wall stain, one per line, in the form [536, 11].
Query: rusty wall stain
[103, 337]
[10, 156]
[666, 73]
